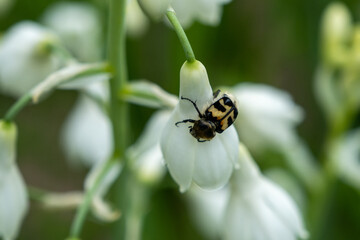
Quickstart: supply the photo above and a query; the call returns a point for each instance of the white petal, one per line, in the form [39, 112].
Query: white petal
[87, 134]
[206, 11]
[177, 146]
[208, 208]
[155, 8]
[13, 203]
[136, 21]
[22, 62]
[79, 27]
[213, 166]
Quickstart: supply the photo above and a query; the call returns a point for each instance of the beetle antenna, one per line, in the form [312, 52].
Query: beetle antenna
[194, 103]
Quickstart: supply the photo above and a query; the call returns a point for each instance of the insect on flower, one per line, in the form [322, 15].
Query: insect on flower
[216, 118]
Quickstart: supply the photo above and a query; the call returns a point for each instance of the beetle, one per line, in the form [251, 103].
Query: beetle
[216, 118]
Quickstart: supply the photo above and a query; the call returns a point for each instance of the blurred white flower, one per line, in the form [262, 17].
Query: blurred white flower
[258, 209]
[267, 116]
[209, 164]
[155, 9]
[346, 154]
[25, 57]
[207, 209]
[13, 195]
[145, 155]
[205, 11]
[79, 27]
[136, 20]
[87, 133]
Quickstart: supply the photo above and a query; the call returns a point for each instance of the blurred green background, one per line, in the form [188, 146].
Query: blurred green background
[274, 42]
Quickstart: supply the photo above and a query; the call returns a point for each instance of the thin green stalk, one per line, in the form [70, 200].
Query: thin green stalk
[190, 56]
[17, 107]
[84, 207]
[116, 54]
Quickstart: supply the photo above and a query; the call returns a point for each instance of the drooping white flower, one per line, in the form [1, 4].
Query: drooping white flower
[209, 164]
[146, 158]
[87, 133]
[258, 209]
[25, 59]
[13, 195]
[205, 11]
[346, 157]
[207, 209]
[267, 116]
[136, 20]
[156, 9]
[79, 27]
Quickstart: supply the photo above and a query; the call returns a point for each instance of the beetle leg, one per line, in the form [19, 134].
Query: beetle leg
[194, 103]
[185, 121]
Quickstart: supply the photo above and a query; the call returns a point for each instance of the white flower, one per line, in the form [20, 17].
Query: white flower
[13, 195]
[206, 11]
[87, 133]
[207, 209]
[136, 20]
[267, 116]
[258, 209]
[156, 9]
[145, 155]
[209, 164]
[79, 27]
[24, 57]
[346, 155]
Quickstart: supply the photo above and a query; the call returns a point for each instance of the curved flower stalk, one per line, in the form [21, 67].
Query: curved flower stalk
[209, 164]
[258, 209]
[146, 158]
[5, 6]
[78, 26]
[26, 57]
[267, 116]
[13, 195]
[207, 12]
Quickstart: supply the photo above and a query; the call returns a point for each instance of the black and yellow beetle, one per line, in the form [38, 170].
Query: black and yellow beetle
[216, 118]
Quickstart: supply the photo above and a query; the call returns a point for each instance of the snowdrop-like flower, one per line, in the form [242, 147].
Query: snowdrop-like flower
[209, 164]
[155, 8]
[136, 20]
[207, 209]
[79, 27]
[13, 195]
[87, 133]
[267, 116]
[145, 155]
[258, 209]
[25, 59]
[347, 158]
[206, 11]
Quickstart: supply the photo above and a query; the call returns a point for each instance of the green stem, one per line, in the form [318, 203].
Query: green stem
[17, 107]
[190, 56]
[84, 207]
[117, 59]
